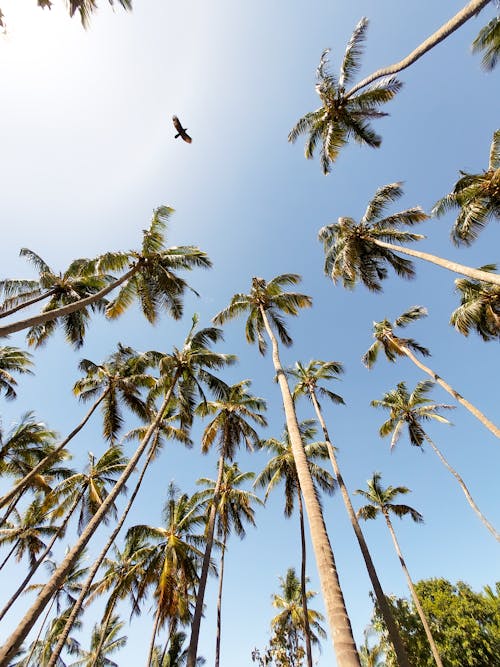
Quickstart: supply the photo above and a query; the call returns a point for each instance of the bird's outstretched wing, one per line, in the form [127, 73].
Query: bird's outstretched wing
[181, 132]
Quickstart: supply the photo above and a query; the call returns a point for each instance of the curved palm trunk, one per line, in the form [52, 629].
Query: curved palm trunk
[93, 571]
[307, 629]
[25, 304]
[444, 31]
[338, 620]
[40, 467]
[475, 274]
[458, 397]
[13, 643]
[219, 601]
[413, 592]
[464, 488]
[42, 318]
[40, 559]
[153, 637]
[385, 610]
[195, 626]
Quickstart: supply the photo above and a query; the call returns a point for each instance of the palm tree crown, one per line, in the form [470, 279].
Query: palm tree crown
[343, 116]
[488, 41]
[477, 196]
[381, 500]
[479, 308]
[12, 360]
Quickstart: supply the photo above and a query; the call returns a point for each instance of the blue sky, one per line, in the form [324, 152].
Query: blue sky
[87, 152]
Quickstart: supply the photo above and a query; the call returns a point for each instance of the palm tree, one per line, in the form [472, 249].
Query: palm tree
[150, 277]
[265, 303]
[173, 654]
[174, 554]
[488, 41]
[360, 251]
[234, 506]
[380, 501]
[479, 308]
[41, 648]
[230, 426]
[290, 623]
[393, 347]
[308, 384]
[87, 7]
[118, 380]
[371, 656]
[477, 196]
[12, 360]
[191, 367]
[340, 117]
[101, 646]
[470, 10]
[410, 410]
[281, 468]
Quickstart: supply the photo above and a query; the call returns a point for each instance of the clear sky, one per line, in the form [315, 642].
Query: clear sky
[87, 151]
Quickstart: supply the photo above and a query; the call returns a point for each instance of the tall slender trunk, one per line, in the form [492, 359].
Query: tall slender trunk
[93, 571]
[444, 31]
[338, 619]
[26, 304]
[41, 465]
[200, 595]
[385, 610]
[16, 543]
[303, 593]
[50, 315]
[219, 601]
[13, 643]
[413, 592]
[35, 641]
[458, 397]
[464, 488]
[153, 637]
[40, 559]
[475, 274]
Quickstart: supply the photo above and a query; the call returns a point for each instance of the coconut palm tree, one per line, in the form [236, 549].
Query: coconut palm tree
[409, 410]
[171, 565]
[234, 507]
[477, 196]
[393, 347]
[479, 308]
[469, 11]
[118, 380]
[173, 654]
[102, 646]
[360, 251]
[289, 622]
[150, 277]
[41, 648]
[371, 656]
[230, 426]
[265, 304]
[339, 117]
[86, 8]
[308, 383]
[380, 501]
[488, 42]
[12, 360]
[190, 367]
[281, 469]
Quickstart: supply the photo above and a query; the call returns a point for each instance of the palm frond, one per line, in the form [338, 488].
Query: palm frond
[354, 50]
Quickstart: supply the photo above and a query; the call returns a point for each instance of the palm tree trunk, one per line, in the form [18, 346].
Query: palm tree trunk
[444, 31]
[413, 592]
[195, 626]
[464, 489]
[458, 397]
[40, 559]
[153, 636]
[219, 601]
[10, 553]
[13, 643]
[25, 304]
[307, 628]
[338, 619]
[93, 571]
[50, 315]
[475, 274]
[385, 610]
[50, 458]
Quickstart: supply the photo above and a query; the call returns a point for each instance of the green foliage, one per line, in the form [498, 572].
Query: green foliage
[488, 42]
[465, 625]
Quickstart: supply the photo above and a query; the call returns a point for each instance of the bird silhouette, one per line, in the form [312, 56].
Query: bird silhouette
[181, 131]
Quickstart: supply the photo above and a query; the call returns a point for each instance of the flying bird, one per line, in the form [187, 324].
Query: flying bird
[181, 131]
